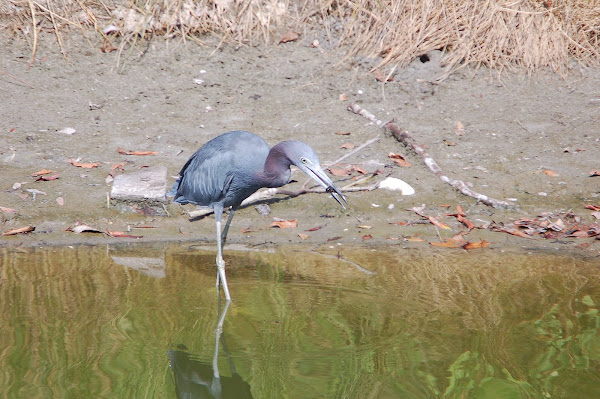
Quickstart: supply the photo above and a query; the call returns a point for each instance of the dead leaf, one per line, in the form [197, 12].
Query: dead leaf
[579, 234]
[107, 47]
[47, 178]
[118, 166]
[85, 165]
[449, 143]
[7, 210]
[20, 230]
[347, 146]
[400, 160]
[476, 245]
[359, 170]
[594, 173]
[596, 214]
[466, 222]
[380, 77]
[343, 97]
[510, 230]
[448, 243]
[551, 173]
[415, 239]
[248, 230]
[41, 172]
[343, 133]
[285, 224]
[334, 238]
[437, 223]
[126, 152]
[82, 228]
[460, 209]
[339, 172]
[367, 237]
[365, 227]
[316, 228]
[289, 36]
[459, 129]
[303, 236]
[120, 234]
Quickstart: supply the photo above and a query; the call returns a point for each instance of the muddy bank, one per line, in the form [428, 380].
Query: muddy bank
[179, 95]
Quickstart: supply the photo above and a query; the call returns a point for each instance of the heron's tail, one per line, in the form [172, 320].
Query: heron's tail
[173, 192]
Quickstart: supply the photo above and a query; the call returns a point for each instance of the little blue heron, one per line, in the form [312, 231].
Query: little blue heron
[231, 167]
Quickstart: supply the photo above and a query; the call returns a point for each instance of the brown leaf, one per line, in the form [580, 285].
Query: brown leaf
[303, 236]
[316, 228]
[359, 170]
[118, 166]
[594, 172]
[551, 173]
[289, 36]
[20, 230]
[285, 224]
[380, 77]
[596, 214]
[512, 231]
[7, 210]
[579, 234]
[448, 243]
[367, 237]
[476, 245]
[450, 143]
[593, 207]
[107, 47]
[85, 165]
[347, 146]
[334, 238]
[42, 172]
[400, 160]
[47, 178]
[365, 227]
[126, 152]
[437, 223]
[466, 222]
[460, 209]
[398, 223]
[120, 234]
[248, 230]
[343, 133]
[339, 172]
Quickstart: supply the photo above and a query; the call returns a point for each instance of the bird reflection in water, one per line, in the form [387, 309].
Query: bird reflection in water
[195, 379]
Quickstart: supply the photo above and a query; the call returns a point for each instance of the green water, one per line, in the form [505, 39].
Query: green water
[139, 322]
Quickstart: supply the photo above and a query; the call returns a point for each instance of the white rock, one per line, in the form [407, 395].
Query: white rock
[393, 184]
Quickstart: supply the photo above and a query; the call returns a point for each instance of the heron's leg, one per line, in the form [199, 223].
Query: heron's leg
[221, 278]
[226, 229]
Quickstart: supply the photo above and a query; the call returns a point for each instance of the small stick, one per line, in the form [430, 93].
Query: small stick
[402, 136]
[271, 192]
[35, 32]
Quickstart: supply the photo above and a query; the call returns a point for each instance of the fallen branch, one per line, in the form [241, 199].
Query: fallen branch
[402, 136]
[268, 193]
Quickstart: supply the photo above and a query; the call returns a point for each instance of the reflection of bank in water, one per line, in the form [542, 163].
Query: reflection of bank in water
[197, 379]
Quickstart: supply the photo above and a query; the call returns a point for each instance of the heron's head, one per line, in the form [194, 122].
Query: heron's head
[303, 156]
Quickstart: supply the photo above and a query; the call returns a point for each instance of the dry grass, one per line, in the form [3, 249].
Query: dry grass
[500, 34]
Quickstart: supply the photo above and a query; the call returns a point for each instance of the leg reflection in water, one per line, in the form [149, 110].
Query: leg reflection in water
[197, 379]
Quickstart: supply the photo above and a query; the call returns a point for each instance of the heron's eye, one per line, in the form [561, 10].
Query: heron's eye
[304, 160]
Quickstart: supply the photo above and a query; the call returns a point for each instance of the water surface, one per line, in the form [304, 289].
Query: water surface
[139, 321]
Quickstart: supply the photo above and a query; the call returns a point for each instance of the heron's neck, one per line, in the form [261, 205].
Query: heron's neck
[276, 171]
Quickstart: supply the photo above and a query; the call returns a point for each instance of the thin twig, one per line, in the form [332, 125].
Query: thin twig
[35, 32]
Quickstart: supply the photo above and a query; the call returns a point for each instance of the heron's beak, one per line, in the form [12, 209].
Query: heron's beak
[319, 175]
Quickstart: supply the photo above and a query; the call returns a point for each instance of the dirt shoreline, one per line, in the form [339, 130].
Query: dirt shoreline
[179, 95]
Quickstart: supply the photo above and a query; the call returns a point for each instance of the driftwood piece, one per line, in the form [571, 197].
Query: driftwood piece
[402, 136]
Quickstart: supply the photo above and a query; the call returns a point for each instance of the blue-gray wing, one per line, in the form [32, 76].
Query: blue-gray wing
[205, 178]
